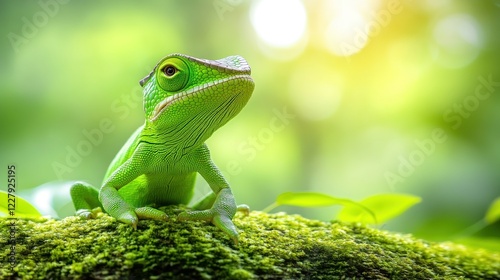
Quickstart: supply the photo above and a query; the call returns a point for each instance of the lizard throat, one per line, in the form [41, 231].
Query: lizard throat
[167, 102]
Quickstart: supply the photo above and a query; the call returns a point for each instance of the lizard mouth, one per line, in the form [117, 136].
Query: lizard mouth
[178, 97]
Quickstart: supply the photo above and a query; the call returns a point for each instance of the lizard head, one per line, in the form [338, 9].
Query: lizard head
[188, 97]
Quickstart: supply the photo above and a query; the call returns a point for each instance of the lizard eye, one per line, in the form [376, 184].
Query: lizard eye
[173, 74]
[169, 70]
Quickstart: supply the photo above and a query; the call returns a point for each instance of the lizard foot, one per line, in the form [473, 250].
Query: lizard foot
[89, 213]
[244, 209]
[151, 213]
[223, 222]
[132, 217]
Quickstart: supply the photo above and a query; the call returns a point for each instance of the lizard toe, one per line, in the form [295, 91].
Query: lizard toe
[151, 214]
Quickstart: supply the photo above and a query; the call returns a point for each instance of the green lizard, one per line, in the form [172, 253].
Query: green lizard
[185, 100]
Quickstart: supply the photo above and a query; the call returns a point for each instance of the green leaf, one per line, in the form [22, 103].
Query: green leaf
[493, 213]
[309, 199]
[313, 199]
[384, 206]
[23, 209]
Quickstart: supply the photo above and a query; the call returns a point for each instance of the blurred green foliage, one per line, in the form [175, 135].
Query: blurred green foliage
[352, 99]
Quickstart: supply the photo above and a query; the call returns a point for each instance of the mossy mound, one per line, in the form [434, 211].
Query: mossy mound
[277, 246]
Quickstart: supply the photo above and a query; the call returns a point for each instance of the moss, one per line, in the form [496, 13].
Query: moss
[271, 247]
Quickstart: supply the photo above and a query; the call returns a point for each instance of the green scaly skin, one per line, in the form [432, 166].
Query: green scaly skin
[185, 100]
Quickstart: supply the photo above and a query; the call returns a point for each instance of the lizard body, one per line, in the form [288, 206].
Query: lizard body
[185, 99]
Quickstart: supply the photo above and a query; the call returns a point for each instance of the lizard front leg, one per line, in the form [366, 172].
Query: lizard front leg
[115, 205]
[85, 199]
[223, 208]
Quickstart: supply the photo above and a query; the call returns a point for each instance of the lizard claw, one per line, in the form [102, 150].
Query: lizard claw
[85, 214]
[227, 226]
[132, 217]
[151, 213]
[223, 222]
[129, 218]
[88, 213]
[243, 208]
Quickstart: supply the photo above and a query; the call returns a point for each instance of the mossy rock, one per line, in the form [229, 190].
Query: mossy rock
[277, 246]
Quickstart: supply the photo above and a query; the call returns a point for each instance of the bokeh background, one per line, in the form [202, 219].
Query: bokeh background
[352, 98]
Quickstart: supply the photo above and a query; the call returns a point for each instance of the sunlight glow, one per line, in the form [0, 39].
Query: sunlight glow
[345, 35]
[350, 24]
[458, 40]
[279, 23]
